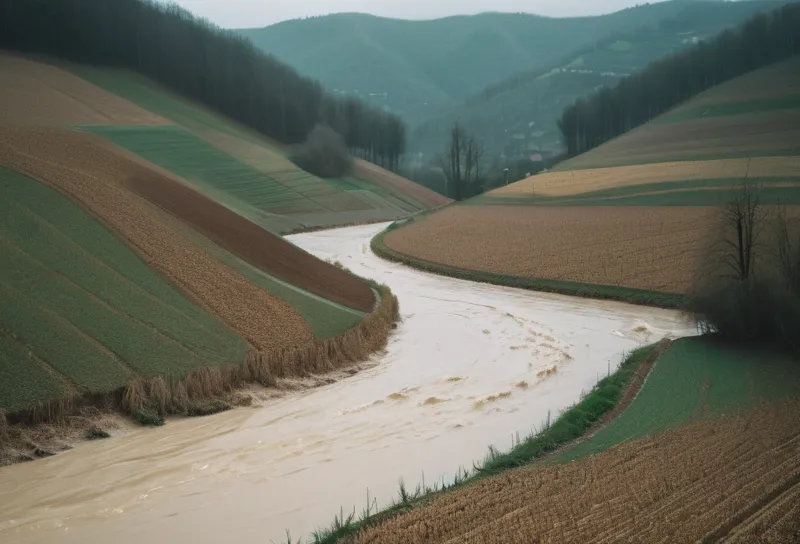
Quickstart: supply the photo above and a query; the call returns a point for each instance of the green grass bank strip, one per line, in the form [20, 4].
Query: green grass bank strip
[731, 108]
[695, 378]
[570, 425]
[79, 305]
[607, 292]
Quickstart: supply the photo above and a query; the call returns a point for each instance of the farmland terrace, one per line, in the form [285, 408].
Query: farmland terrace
[631, 217]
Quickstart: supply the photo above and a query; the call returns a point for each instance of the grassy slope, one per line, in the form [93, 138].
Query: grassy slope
[417, 68]
[506, 108]
[696, 378]
[85, 308]
[251, 151]
[731, 111]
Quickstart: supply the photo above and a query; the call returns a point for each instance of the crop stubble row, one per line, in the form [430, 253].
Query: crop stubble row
[639, 247]
[738, 476]
[90, 174]
[575, 182]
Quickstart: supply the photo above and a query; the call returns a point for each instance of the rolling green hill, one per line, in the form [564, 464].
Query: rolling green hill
[518, 116]
[416, 68]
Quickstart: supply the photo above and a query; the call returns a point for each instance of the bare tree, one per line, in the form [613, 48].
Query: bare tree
[787, 248]
[461, 161]
[743, 220]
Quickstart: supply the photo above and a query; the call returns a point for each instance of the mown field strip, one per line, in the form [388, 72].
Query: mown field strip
[581, 181]
[195, 160]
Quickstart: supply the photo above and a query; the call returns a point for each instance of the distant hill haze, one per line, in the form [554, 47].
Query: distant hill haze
[506, 76]
[417, 67]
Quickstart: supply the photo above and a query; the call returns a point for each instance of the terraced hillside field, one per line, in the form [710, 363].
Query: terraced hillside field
[707, 451]
[634, 213]
[122, 276]
[251, 174]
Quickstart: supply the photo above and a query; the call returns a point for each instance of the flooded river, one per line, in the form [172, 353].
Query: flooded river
[460, 374]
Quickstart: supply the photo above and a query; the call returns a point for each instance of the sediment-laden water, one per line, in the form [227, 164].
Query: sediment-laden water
[470, 366]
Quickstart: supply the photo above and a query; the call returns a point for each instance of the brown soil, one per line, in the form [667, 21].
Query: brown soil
[37, 93]
[737, 476]
[580, 181]
[641, 247]
[398, 184]
[89, 173]
[250, 242]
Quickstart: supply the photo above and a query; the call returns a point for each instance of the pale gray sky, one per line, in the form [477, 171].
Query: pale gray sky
[257, 13]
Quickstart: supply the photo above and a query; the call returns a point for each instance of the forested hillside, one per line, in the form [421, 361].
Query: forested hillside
[641, 97]
[518, 116]
[416, 68]
[196, 59]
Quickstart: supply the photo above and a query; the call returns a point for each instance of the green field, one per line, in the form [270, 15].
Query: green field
[696, 378]
[198, 162]
[269, 189]
[731, 108]
[86, 312]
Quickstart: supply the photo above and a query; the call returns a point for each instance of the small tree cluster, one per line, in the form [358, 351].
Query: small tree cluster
[323, 154]
[200, 61]
[665, 83]
[748, 285]
[461, 163]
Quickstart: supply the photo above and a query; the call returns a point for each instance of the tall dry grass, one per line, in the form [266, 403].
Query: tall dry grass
[164, 395]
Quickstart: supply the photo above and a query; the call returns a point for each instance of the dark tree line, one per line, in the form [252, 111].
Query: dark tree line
[764, 39]
[461, 164]
[200, 61]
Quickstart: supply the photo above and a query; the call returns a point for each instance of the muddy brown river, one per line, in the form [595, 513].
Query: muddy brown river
[460, 373]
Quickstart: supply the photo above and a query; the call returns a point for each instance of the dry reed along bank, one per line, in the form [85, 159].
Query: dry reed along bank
[40, 431]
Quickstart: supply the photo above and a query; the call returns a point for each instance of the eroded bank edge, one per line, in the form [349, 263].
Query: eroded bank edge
[41, 431]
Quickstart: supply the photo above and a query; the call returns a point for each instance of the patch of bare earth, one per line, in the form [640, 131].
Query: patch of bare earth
[37, 93]
[640, 247]
[736, 477]
[398, 184]
[575, 182]
[84, 169]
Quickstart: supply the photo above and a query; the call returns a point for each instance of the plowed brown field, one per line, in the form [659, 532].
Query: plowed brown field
[92, 158]
[37, 93]
[398, 184]
[579, 181]
[87, 173]
[737, 476]
[640, 247]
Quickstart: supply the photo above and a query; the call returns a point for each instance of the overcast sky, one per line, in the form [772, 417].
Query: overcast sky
[257, 13]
